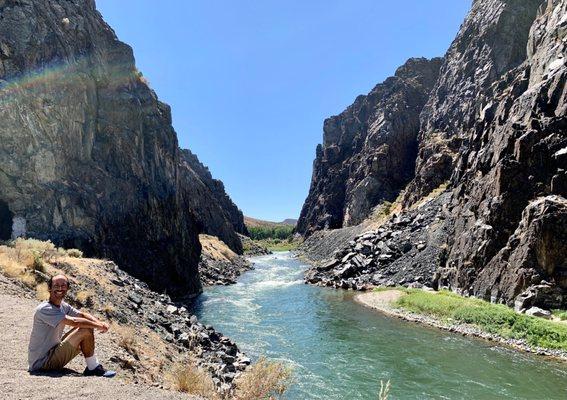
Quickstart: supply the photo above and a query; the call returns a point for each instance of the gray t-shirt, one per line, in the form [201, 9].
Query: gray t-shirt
[47, 331]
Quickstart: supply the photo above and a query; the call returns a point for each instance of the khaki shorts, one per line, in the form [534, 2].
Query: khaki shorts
[60, 355]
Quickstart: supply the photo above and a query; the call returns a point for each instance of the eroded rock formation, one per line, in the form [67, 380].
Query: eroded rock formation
[369, 150]
[88, 155]
[495, 127]
[491, 42]
[511, 171]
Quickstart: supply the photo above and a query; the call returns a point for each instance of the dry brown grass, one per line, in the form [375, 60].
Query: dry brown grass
[24, 256]
[17, 266]
[108, 310]
[188, 378]
[28, 279]
[433, 194]
[382, 212]
[263, 380]
[38, 264]
[216, 248]
[85, 298]
[74, 253]
[41, 291]
[128, 339]
[9, 264]
[384, 390]
[38, 248]
[89, 268]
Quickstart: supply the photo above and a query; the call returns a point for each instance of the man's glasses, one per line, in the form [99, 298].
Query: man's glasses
[57, 287]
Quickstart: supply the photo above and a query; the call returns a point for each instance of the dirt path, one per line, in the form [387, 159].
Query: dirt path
[16, 314]
[379, 300]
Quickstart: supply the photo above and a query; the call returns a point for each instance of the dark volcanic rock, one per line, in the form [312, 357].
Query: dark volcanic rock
[491, 42]
[318, 247]
[394, 254]
[221, 272]
[535, 253]
[135, 304]
[368, 151]
[504, 234]
[496, 123]
[215, 212]
[88, 156]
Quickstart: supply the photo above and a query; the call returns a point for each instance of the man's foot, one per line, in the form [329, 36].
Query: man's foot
[99, 371]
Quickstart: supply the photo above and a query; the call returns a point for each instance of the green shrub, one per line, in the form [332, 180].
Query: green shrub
[37, 264]
[561, 314]
[76, 253]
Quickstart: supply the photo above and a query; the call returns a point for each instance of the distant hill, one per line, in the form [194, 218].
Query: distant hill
[255, 223]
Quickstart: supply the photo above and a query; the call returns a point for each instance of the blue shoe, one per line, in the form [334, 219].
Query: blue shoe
[99, 371]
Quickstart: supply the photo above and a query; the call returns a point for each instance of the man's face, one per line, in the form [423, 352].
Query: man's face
[59, 288]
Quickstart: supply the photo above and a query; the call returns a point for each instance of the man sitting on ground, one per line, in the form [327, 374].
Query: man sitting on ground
[49, 349]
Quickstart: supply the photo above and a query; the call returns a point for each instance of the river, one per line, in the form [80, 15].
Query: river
[341, 350]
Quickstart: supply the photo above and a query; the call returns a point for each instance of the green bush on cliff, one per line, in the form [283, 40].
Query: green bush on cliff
[493, 318]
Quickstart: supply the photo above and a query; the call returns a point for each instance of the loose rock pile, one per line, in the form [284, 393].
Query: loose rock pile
[406, 250]
[219, 272]
[252, 248]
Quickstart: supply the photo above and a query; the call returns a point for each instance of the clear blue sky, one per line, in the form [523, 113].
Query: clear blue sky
[250, 82]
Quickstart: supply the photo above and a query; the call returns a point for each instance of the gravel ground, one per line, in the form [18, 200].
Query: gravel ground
[16, 315]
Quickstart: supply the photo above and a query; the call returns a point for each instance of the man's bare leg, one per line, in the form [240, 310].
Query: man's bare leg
[83, 339]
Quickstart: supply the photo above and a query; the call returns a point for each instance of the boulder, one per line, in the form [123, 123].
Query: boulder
[538, 312]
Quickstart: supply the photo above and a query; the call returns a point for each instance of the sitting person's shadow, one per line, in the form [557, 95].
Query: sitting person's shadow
[57, 373]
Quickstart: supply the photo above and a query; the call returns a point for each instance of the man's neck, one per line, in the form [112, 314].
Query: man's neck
[55, 302]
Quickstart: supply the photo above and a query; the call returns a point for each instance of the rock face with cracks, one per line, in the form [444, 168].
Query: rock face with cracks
[491, 41]
[368, 151]
[508, 196]
[88, 155]
[495, 128]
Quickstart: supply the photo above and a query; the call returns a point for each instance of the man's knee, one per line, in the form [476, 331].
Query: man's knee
[86, 332]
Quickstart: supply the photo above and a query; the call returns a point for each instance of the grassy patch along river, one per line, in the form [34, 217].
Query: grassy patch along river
[492, 318]
[339, 349]
[471, 316]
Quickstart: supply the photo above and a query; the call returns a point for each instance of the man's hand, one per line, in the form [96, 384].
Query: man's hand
[103, 327]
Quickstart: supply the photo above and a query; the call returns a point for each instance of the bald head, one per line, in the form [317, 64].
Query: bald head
[58, 280]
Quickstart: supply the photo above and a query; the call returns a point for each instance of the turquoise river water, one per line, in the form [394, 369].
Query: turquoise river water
[341, 350]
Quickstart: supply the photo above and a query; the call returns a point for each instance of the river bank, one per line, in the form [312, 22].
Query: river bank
[339, 349]
[387, 302]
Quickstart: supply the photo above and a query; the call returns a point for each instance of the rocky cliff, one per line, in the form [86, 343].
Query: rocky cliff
[509, 205]
[495, 127]
[215, 210]
[492, 41]
[88, 155]
[369, 150]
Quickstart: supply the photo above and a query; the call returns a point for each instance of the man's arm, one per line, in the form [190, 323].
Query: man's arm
[79, 322]
[86, 315]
